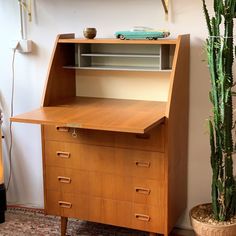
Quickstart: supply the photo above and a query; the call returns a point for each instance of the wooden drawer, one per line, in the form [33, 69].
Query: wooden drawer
[120, 213]
[121, 161]
[152, 141]
[75, 135]
[104, 185]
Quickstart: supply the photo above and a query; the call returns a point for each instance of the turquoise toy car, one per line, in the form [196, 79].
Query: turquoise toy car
[141, 33]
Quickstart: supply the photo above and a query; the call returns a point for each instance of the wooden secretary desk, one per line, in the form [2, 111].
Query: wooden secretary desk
[117, 161]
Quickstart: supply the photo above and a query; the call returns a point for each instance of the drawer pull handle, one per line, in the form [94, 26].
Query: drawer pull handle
[142, 217]
[74, 134]
[64, 180]
[145, 191]
[143, 164]
[62, 129]
[65, 204]
[63, 154]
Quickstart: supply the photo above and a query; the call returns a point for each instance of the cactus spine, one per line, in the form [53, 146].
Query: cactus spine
[220, 61]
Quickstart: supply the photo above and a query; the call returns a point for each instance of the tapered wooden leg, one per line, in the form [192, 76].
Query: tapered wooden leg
[63, 225]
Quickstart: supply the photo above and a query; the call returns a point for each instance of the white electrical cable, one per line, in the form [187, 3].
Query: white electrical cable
[11, 114]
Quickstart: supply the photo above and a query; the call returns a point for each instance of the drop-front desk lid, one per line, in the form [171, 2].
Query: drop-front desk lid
[120, 115]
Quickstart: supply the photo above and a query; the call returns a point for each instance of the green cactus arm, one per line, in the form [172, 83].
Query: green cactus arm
[207, 17]
[214, 191]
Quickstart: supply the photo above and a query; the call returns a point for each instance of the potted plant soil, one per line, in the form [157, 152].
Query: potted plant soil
[219, 217]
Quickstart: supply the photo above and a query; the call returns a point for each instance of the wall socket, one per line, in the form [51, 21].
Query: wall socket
[24, 46]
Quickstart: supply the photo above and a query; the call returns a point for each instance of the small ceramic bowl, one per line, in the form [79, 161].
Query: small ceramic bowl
[90, 33]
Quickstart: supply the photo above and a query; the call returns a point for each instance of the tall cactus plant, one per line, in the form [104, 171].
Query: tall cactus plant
[220, 51]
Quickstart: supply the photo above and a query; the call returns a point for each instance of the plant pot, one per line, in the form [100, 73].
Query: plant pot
[211, 229]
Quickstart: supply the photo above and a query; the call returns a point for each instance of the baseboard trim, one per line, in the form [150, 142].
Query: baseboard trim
[22, 207]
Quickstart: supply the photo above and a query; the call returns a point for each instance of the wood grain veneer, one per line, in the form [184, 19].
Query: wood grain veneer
[116, 41]
[115, 161]
[107, 185]
[177, 132]
[60, 83]
[120, 161]
[152, 140]
[120, 213]
[100, 114]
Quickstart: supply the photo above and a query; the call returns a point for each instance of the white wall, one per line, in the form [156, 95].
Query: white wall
[58, 16]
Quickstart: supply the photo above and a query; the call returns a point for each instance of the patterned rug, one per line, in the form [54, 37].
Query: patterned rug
[25, 222]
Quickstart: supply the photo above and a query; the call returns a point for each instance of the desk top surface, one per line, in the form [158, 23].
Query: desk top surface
[134, 116]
